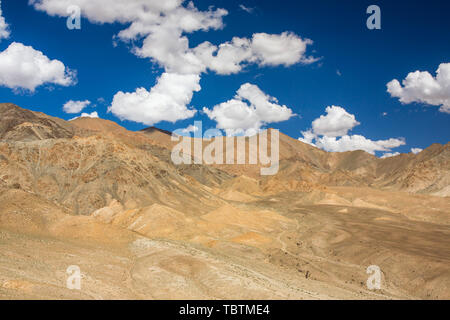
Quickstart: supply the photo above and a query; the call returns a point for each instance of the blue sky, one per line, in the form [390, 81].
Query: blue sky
[354, 67]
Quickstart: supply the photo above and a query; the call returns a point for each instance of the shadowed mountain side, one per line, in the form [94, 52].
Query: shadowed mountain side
[17, 124]
[153, 130]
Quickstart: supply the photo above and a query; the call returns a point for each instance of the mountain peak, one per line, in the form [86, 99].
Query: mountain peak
[151, 130]
[18, 124]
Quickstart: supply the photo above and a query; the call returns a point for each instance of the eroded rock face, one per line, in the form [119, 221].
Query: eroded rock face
[84, 174]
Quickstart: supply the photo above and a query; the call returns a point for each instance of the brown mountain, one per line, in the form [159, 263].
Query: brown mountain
[91, 193]
[17, 124]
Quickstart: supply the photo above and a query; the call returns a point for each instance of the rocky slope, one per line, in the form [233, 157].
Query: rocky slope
[91, 193]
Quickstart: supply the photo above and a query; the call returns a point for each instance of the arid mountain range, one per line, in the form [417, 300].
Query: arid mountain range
[90, 193]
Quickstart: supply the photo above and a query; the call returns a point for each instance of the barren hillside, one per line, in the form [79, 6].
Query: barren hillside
[90, 193]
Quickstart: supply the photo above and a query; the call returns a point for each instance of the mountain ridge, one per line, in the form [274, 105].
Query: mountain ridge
[426, 172]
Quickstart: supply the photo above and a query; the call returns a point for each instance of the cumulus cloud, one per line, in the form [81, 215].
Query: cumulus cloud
[22, 67]
[161, 25]
[263, 49]
[227, 58]
[308, 137]
[357, 142]
[284, 49]
[93, 114]
[165, 43]
[4, 28]
[337, 122]
[248, 111]
[389, 155]
[416, 150]
[158, 30]
[107, 11]
[166, 101]
[190, 128]
[330, 133]
[421, 86]
[75, 106]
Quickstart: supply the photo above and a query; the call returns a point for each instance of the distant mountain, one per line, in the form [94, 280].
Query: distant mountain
[98, 160]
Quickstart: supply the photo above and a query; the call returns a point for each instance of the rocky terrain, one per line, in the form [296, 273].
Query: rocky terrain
[90, 193]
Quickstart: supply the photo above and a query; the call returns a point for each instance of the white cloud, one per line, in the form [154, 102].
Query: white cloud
[166, 101]
[330, 133]
[190, 128]
[165, 43]
[246, 9]
[421, 86]
[308, 137]
[284, 49]
[107, 11]
[248, 111]
[337, 122]
[24, 67]
[163, 27]
[416, 150]
[75, 106]
[4, 28]
[93, 114]
[227, 58]
[389, 155]
[161, 24]
[263, 49]
[356, 142]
